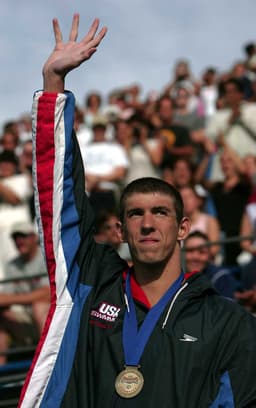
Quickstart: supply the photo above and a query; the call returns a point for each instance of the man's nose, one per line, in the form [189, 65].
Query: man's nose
[147, 223]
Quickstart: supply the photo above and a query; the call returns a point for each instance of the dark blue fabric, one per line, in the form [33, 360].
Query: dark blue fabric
[224, 279]
[224, 398]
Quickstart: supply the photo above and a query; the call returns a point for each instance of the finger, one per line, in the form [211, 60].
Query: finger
[96, 41]
[57, 31]
[74, 28]
[92, 31]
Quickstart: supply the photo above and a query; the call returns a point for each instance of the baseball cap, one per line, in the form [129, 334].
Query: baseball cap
[24, 228]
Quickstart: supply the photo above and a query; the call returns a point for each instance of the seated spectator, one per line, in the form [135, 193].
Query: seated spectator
[24, 301]
[25, 128]
[176, 138]
[25, 166]
[189, 118]
[230, 198]
[15, 191]
[107, 227]
[144, 151]
[209, 92]
[200, 220]
[9, 142]
[233, 126]
[238, 71]
[92, 107]
[182, 76]
[105, 165]
[180, 174]
[198, 259]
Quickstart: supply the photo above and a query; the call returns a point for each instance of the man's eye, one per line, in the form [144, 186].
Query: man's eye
[134, 214]
[161, 212]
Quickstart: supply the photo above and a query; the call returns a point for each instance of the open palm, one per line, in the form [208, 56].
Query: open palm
[69, 55]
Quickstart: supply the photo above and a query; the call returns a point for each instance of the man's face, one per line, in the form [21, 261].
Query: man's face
[150, 227]
[165, 110]
[7, 169]
[25, 243]
[182, 99]
[233, 96]
[182, 173]
[110, 232]
[196, 258]
[99, 134]
[228, 166]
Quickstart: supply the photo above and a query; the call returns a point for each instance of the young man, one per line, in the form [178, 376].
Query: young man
[192, 348]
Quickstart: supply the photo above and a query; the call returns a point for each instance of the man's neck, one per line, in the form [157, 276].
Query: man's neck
[155, 280]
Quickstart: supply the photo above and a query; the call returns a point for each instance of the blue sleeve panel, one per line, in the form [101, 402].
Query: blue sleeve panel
[224, 398]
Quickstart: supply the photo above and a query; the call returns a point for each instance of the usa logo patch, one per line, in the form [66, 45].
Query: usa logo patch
[106, 312]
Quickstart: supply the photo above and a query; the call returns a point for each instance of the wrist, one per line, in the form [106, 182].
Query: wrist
[53, 82]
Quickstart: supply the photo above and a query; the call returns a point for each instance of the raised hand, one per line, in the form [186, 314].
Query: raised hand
[67, 56]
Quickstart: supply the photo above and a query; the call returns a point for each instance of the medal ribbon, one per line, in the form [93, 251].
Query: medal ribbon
[134, 339]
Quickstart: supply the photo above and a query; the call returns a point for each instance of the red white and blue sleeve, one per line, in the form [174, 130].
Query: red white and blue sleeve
[59, 205]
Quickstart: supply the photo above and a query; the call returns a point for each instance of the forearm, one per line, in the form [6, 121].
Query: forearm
[182, 151]
[9, 299]
[52, 82]
[8, 195]
[116, 175]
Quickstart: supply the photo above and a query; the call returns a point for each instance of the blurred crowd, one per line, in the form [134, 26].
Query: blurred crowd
[198, 134]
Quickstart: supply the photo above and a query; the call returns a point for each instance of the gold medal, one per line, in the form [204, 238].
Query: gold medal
[129, 382]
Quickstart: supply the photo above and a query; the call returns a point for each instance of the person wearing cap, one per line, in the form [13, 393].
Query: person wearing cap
[116, 336]
[15, 192]
[24, 296]
[105, 163]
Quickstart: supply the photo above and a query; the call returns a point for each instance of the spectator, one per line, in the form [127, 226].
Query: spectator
[238, 71]
[105, 164]
[176, 138]
[145, 152]
[194, 123]
[234, 125]
[107, 226]
[182, 78]
[9, 142]
[25, 128]
[15, 191]
[200, 220]
[25, 300]
[209, 92]
[198, 258]
[230, 197]
[93, 103]
[180, 174]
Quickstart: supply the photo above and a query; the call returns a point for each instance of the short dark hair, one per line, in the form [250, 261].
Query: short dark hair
[249, 48]
[152, 185]
[102, 217]
[236, 82]
[8, 156]
[197, 234]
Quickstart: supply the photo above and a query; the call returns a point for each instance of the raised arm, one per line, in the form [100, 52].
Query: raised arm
[68, 56]
[64, 217]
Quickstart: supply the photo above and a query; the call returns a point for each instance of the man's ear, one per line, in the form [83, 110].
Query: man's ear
[184, 229]
[121, 232]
